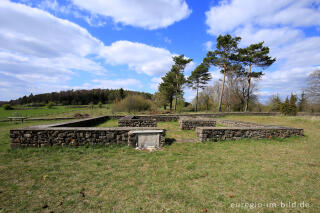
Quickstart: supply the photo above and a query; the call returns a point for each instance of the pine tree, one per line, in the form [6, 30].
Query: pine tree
[167, 87]
[255, 55]
[198, 79]
[293, 109]
[302, 104]
[275, 103]
[180, 63]
[223, 57]
[284, 107]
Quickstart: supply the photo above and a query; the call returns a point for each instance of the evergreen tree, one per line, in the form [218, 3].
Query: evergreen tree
[121, 94]
[289, 107]
[198, 79]
[167, 87]
[303, 103]
[293, 109]
[275, 103]
[223, 57]
[255, 55]
[284, 107]
[180, 63]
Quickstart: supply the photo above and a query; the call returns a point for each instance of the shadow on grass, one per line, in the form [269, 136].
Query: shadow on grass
[170, 141]
[290, 139]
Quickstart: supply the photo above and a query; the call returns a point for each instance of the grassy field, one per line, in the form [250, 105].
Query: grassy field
[39, 112]
[182, 177]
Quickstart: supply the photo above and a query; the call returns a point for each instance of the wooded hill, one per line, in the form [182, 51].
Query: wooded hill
[79, 97]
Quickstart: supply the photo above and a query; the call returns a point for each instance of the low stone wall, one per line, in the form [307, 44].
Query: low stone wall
[235, 133]
[186, 123]
[69, 134]
[232, 123]
[134, 121]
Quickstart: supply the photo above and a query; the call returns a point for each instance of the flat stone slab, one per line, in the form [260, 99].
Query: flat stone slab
[145, 131]
[148, 139]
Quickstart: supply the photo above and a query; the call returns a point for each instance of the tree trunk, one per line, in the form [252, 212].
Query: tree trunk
[170, 104]
[175, 103]
[221, 93]
[197, 98]
[248, 91]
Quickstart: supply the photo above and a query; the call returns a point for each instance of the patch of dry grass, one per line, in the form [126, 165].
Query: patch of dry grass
[183, 177]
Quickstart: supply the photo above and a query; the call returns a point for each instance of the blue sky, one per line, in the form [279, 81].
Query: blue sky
[56, 45]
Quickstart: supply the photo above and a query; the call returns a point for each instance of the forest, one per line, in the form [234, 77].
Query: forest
[78, 97]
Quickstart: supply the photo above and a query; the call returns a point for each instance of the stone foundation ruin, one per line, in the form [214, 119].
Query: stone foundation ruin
[187, 123]
[237, 130]
[141, 131]
[78, 133]
[135, 121]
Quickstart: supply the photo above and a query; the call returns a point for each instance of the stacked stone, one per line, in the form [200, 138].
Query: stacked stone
[186, 123]
[137, 123]
[230, 123]
[235, 133]
[69, 134]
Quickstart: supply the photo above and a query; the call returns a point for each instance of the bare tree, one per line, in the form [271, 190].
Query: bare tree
[313, 86]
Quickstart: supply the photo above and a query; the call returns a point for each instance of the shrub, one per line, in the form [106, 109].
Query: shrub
[7, 107]
[289, 107]
[134, 103]
[50, 105]
[100, 104]
[91, 105]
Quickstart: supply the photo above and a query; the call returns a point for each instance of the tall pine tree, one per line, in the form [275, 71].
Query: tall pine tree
[255, 55]
[223, 57]
[198, 79]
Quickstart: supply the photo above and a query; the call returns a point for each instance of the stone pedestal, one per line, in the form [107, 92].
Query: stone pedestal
[147, 139]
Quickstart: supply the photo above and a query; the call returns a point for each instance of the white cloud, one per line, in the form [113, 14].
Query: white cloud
[140, 57]
[139, 13]
[280, 24]
[208, 45]
[228, 16]
[129, 83]
[35, 32]
[40, 52]
[273, 37]
[155, 81]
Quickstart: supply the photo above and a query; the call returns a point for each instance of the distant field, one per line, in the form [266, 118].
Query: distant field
[182, 177]
[62, 111]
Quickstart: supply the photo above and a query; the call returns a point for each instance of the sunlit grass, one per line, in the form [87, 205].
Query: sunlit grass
[182, 177]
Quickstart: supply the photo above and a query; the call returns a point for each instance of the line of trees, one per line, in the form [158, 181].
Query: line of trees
[79, 97]
[238, 66]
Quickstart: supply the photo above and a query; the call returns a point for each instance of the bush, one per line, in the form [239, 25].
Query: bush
[7, 107]
[134, 103]
[100, 104]
[289, 107]
[50, 105]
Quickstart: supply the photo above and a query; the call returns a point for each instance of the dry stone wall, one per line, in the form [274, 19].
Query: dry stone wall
[133, 121]
[186, 123]
[237, 130]
[69, 134]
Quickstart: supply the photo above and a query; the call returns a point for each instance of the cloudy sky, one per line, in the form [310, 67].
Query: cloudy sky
[53, 45]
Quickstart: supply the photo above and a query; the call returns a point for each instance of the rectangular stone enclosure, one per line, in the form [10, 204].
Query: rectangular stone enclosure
[134, 121]
[76, 134]
[187, 123]
[237, 130]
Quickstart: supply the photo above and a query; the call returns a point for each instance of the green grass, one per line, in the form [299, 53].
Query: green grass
[56, 111]
[183, 177]
[173, 132]
[109, 123]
